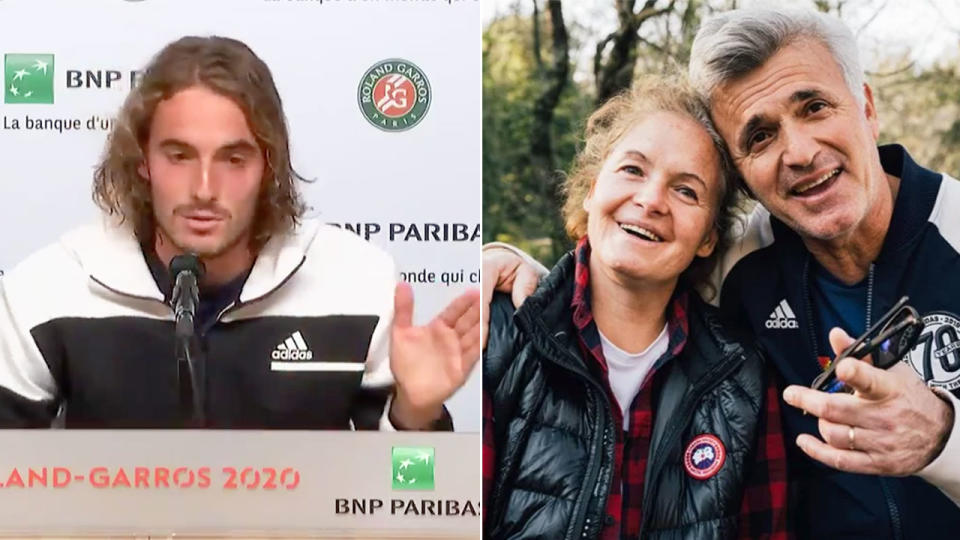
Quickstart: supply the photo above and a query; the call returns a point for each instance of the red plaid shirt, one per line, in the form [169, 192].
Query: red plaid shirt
[763, 510]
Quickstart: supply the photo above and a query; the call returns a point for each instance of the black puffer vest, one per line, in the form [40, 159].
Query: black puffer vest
[554, 432]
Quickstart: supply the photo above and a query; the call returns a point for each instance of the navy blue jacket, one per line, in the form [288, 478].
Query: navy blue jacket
[767, 292]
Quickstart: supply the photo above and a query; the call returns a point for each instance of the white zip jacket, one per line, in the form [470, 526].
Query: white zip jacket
[85, 331]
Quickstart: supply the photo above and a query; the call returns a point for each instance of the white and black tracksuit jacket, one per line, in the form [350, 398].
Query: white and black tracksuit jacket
[85, 332]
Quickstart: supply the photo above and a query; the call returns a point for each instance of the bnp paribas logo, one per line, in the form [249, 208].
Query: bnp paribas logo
[394, 95]
[413, 467]
[28, 78]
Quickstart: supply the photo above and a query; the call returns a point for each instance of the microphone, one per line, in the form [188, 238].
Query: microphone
[186, 271]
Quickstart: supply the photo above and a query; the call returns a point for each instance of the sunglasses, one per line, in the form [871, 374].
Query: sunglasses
[888, 340]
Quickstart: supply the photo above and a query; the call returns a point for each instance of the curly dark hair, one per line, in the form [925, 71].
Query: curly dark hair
[229, 68]
[605, 127]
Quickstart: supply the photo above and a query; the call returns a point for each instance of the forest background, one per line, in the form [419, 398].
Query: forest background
[548, 63]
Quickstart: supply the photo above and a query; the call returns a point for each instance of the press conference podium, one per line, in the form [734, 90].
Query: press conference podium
[239, 484]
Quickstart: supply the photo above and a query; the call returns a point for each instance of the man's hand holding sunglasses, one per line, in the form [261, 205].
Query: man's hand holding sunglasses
[892, 424]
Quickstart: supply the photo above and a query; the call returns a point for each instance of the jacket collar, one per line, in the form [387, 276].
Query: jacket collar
[548, 307]
[582, 309]
[546, 320]
[550, 312]
[280, 257]
[111, 255]
[915, 200]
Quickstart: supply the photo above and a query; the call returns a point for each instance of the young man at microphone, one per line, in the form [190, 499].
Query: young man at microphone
[295, 324]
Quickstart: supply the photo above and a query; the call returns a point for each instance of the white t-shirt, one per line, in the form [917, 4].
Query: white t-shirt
[627, 371]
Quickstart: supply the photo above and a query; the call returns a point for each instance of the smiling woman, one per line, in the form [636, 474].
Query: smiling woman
[614, 377]
[634, 138]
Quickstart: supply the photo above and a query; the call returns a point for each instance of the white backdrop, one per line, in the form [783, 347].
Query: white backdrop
[318, 52]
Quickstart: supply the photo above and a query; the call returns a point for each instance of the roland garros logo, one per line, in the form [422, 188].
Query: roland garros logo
[394, 95]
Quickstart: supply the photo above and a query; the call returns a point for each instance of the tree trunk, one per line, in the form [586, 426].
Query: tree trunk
[613, 72]
[553, 80]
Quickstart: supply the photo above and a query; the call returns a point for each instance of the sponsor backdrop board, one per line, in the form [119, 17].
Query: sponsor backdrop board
[403, 173]
[241, 483]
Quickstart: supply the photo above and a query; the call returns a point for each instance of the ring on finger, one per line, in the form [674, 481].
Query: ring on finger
[851, 438]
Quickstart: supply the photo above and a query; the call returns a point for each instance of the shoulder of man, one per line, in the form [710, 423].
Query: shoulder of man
[53, 259]
[752, 233]
[48, 285]
[47, 277]
[944, 214]
[718, 339]
[340, 263]
[328, 246]
[318, 270]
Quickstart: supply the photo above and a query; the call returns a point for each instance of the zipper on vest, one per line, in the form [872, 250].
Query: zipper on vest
[706, 383]
[580, 521]
[604, 422]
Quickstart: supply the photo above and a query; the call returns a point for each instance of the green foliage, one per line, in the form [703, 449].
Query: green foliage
[516, 207]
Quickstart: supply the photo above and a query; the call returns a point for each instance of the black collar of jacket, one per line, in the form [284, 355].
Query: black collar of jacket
[545, 318]
[111, 255]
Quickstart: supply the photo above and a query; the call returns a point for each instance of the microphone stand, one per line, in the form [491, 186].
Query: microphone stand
[191, 396]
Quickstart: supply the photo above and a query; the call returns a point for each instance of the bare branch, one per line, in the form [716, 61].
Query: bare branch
[537, 57]
[652, 45]
[614, 71]
[625, 9]
[649, 12]
[598, 55]
[897, 71]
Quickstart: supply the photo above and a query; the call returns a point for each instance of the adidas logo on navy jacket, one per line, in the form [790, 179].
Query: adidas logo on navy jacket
[782, 317]
[84, 325]
[767, 285]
